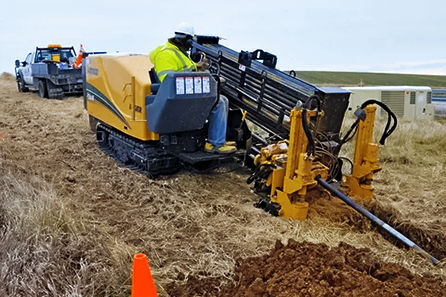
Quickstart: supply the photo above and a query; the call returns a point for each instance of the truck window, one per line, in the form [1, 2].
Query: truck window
[29, 59]
[65, 55]
[55, 54]
[43, 55]
[39, 57]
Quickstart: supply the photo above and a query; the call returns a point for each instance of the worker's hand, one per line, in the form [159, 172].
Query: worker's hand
[203, 64]
[222, 82]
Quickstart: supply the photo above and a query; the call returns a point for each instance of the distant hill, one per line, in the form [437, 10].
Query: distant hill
[328, 78]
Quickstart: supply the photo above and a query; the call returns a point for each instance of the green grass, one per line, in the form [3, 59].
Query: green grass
[371, 79]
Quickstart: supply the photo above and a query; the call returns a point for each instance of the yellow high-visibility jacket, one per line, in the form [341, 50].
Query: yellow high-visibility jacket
[169, 58]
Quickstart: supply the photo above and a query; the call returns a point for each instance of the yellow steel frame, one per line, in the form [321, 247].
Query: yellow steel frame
[365, 160]
[294, 175]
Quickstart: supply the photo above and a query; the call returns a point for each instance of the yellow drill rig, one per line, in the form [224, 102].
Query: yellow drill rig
[157, 128]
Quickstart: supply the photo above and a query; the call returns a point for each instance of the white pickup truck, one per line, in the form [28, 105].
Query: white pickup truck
[50, 71]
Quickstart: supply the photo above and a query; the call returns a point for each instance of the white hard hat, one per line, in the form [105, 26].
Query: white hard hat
[184, 29]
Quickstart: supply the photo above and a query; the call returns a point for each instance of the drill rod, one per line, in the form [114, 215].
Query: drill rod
[374, 218]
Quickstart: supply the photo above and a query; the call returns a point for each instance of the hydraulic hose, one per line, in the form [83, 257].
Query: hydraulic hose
[374, 218]
[387, 130]
[353, 129]
[307, 105]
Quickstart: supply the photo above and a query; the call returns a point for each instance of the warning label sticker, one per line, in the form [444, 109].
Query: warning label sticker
[197, 85]
[206, 85]
[180, 85]
[189, 85]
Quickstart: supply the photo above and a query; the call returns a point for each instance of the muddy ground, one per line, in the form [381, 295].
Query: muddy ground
[201, 232]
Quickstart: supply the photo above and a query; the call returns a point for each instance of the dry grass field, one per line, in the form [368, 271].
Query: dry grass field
[71, 219]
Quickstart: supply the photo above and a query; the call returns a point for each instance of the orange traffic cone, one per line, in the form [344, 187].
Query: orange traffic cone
[78, 62]
[142, 281]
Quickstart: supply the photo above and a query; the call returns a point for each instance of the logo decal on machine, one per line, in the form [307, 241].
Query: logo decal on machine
[94, 94]
[93, 71]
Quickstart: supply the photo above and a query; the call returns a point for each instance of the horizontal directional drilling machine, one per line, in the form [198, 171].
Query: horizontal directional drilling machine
[286, 130]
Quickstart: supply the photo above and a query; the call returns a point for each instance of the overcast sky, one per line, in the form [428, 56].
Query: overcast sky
[344, 35]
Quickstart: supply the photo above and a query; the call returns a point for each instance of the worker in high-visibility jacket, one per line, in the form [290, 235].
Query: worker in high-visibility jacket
[173, 57]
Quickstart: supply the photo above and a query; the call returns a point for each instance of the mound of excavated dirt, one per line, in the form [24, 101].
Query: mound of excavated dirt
[307, 269]
[7, 76]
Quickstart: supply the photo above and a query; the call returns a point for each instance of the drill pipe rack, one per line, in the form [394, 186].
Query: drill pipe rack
[268, 94]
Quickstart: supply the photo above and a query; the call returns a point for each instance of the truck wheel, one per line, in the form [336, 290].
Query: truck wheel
[41, 86]
[53, 91]
[21, 84]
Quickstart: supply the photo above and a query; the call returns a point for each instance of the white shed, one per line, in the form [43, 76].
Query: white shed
[406, 102]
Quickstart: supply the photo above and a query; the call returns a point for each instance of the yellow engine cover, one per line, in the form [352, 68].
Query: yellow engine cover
[116, 90]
